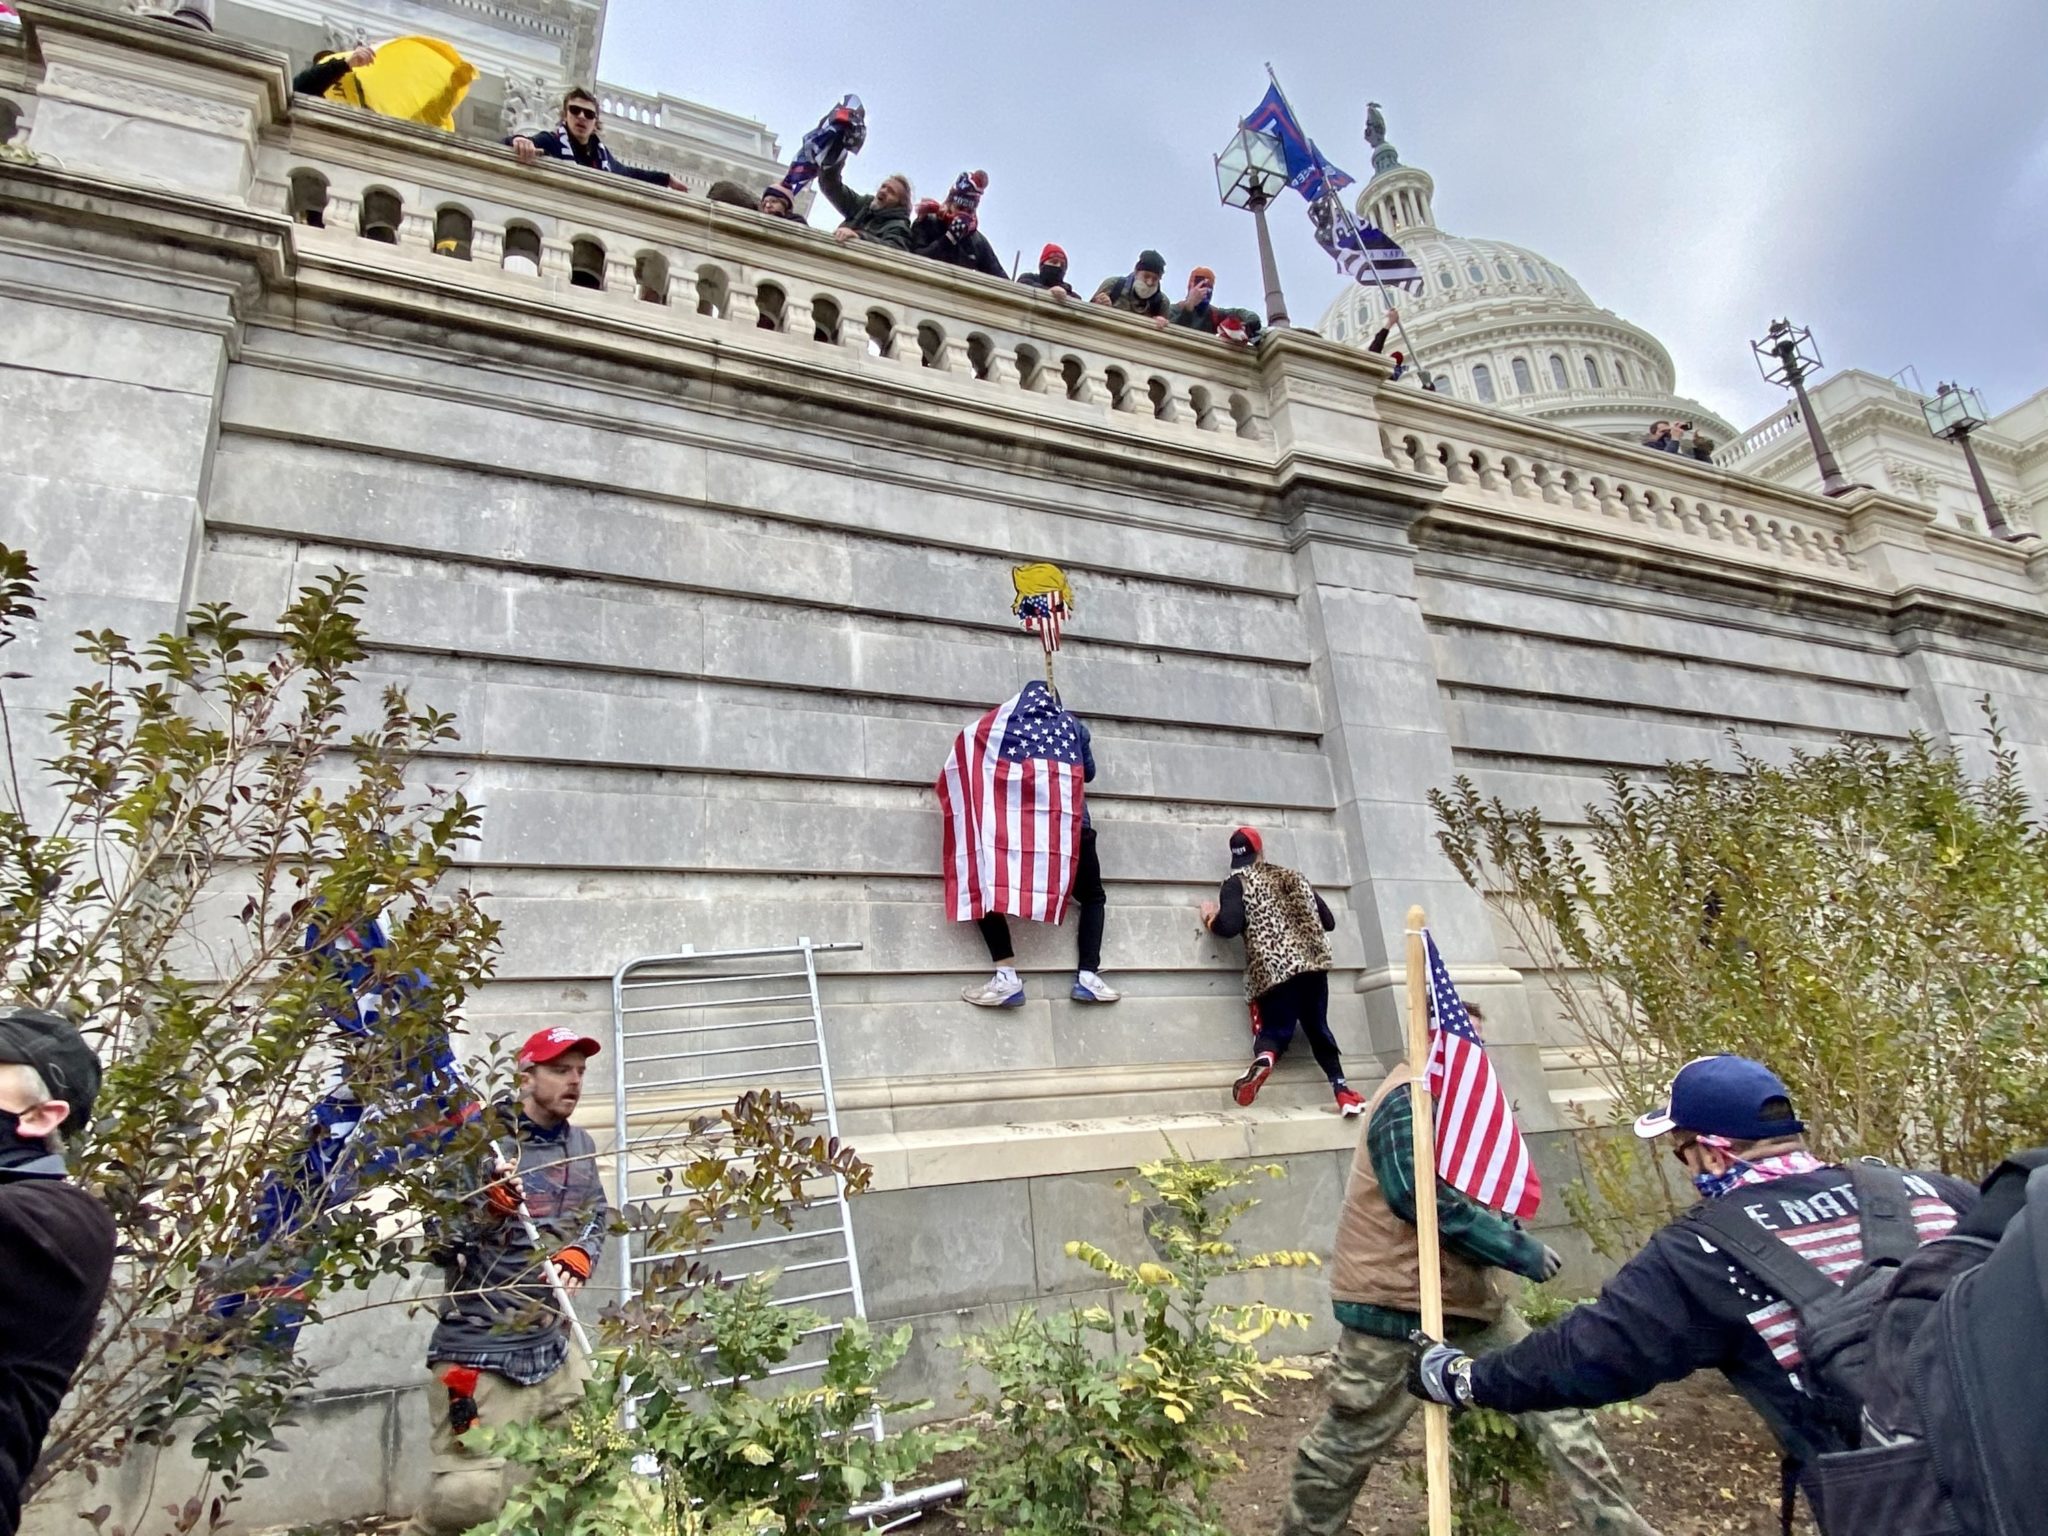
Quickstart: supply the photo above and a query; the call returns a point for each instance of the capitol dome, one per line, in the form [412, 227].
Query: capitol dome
[1498, 324]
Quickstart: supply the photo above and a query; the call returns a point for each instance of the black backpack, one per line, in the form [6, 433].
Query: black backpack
[1930, 1366]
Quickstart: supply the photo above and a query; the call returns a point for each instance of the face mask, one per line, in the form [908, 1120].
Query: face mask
[1715, 1185]
[1147, 285]
[1050, 274]
[13, 1150]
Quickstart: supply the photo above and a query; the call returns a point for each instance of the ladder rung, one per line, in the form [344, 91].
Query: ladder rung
[794, 1269]
[712, 1029]
[758, 1242]
[725, 1002]
[673, 1110]
[705, 981]
[723, 1050]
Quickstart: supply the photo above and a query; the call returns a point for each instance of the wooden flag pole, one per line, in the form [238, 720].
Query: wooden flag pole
[1436, 1419]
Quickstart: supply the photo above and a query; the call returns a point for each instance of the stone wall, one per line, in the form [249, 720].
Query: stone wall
[710, 599]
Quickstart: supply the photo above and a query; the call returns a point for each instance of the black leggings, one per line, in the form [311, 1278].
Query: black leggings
[1302, 1000]
[1088, 896]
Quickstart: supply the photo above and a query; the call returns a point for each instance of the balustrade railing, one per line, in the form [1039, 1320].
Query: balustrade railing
[1640, 493]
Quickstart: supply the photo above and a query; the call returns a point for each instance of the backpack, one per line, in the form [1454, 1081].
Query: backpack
[1943, 1354]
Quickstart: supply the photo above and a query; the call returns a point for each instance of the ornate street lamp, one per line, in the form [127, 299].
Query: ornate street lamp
[1954, 413]
[1787, 355]
[1250, 172]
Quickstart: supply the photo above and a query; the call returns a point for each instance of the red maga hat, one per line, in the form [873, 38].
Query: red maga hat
[547, 1044]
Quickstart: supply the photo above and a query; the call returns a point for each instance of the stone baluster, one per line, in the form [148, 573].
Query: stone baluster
[415, 230]
[487, 245]
[554, 262]
[344, 211]
[682, 287]
[798, 318]
[743, 308]
[619, 276]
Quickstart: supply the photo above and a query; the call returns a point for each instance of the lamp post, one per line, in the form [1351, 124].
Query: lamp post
[1250, 172]
[1954, 413]
[1786, 355]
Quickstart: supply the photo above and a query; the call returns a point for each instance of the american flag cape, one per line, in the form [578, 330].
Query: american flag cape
[1011, 796]
[1479, 1148]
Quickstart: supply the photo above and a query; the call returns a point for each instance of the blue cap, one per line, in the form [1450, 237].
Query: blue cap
[1722, 1096]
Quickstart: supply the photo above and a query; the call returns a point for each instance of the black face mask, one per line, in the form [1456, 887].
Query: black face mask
[1049, 274]
[13, 1150]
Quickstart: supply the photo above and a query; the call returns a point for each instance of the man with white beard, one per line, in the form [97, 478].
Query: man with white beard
[1138, 293]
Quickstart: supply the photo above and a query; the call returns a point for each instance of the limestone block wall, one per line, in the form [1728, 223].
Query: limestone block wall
[710, 599]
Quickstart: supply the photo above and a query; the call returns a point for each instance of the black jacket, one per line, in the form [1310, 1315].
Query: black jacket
[875, 224]
[323, 72]
[56, 1254]
[591, 153]
[928, 237]
[1033, 280]
[1681, 1306]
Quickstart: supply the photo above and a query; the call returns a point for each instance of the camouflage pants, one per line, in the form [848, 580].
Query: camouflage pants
[467, 1487]
[1370, 1405]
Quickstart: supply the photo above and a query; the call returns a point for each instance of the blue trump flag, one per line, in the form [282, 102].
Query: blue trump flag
[1307, 171]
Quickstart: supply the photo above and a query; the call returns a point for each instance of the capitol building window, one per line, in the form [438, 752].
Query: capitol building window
[1444, 278]
[1592, 374]
[1525, 382]
[1482, 383]
[1472, 271]
[1558, 376]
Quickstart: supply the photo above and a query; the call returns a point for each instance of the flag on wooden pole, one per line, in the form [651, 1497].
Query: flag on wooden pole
[1479, 1148]
[1436, 1419]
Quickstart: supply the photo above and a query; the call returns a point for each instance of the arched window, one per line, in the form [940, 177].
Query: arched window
[1502, 268]
[1525, 382]
[1482, 382]
[1621, 373]
[1444, 278]
[1592, 374]
[1472, 271]
[1529, 271]
[1337, 332]
[1557, 374]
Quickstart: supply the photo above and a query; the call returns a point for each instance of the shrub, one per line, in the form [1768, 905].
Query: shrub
[1869, 920]
[1086, 1439]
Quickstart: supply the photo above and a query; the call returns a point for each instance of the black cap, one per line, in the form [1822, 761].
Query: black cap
[1153, 262]
[31, 1038]
[1246, 847]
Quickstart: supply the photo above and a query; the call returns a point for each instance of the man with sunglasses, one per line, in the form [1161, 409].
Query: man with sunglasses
[575, 139]
[1686, 1302]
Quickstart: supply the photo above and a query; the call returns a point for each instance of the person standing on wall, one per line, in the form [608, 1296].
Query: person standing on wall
[1286, 927]
[1005, 989]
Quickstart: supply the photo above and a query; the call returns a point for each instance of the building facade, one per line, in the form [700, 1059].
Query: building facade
[711, 561]
[1499, 325]
[1879, 434]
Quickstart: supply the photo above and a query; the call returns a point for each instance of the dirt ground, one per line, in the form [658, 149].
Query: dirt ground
[1703, 1466]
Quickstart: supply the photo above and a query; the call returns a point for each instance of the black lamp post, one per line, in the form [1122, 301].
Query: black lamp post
[1786, 355]
[1954, 413]
[1250, 172]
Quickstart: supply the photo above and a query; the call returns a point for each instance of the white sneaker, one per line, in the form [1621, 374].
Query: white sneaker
[1091, 988]
[996, 993]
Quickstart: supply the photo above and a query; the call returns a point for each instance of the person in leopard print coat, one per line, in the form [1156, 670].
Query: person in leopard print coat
[1285, 926]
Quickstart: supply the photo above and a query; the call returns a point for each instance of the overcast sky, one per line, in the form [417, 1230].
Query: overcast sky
[1876, 169]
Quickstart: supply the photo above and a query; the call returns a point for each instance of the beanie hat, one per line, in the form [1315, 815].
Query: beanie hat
[777, 189]
[1246, 847]
[1052, 255]
[1153, 262]
[1202, 275]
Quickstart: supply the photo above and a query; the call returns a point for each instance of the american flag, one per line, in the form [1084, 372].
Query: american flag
[1479, 1148]
[1043, 614]
[1011, 796]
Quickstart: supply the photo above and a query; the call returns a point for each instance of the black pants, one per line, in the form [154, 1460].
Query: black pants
[1088, 896]
[1302, 1000]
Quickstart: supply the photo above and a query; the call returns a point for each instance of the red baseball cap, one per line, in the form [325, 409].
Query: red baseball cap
[1246, 846]
[547, 1044]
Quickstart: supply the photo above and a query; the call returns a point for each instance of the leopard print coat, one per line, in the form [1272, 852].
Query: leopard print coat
[1283, 935]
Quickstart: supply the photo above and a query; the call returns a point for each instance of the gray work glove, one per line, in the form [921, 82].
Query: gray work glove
[1437, 1373]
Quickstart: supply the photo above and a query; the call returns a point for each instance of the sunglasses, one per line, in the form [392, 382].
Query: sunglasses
[1680, 1148]
[589, 112]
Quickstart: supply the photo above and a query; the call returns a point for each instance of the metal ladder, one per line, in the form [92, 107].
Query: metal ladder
[691, 1032]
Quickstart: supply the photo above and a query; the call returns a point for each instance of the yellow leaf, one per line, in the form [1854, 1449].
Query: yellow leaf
[757, 1453]
[1178, 1415]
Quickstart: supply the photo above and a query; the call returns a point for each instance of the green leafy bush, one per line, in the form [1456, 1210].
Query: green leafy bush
[711, 1448]
[1085, 1438]
[1870, 920]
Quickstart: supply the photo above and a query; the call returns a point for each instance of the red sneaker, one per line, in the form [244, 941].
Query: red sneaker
[1349, 1104]
[1246, 1088]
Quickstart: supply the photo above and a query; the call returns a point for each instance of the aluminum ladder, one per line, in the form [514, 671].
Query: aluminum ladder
[691, 1032]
